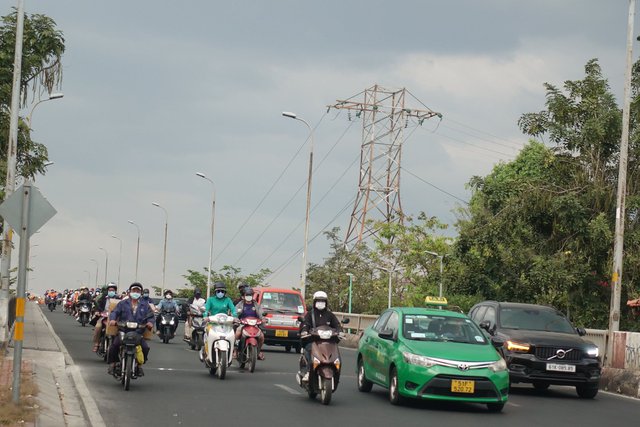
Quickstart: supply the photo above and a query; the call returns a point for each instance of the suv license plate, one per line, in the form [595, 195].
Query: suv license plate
[560, 368]
[282, 333]
[461, 386]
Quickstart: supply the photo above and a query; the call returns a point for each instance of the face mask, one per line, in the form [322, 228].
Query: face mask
[168, 297]
[248, 298]
[145, 294]
[111, 294]
[321, 305]
[134, 295]
[220, 294]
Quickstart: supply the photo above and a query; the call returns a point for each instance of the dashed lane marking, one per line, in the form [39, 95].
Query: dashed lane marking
[287, 389]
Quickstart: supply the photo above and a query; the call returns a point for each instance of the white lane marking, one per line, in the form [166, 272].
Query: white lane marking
[513, 404]
[287, 389]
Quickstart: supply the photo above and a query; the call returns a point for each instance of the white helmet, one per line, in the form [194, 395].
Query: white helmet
[320, 295]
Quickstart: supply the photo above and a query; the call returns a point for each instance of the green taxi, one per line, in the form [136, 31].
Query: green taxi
[431, 353]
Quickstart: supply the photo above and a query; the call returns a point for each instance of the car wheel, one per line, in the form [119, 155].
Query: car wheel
[495, 407]
[287, 348]
[540, 385]
[394, 392]
[587, 392]
[364, 385]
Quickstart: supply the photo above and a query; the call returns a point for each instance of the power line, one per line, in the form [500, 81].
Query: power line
[434, 186]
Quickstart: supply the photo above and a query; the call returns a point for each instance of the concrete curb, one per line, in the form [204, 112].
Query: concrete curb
[89, 406]
[621, 381]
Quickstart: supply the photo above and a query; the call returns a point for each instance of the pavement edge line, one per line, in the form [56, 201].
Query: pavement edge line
[89, 406]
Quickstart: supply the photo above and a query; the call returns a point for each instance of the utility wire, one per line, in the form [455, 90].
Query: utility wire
[270, 190]
[434, 186]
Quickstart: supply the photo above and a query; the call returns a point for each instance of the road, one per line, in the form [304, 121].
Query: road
[178, 391]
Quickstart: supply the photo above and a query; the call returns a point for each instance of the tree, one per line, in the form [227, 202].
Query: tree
[43, 47]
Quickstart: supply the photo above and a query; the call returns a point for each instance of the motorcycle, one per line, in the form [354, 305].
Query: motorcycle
[105, 340]
[324, 373]
[168, 324]
[126, 368]
[84, 312]
[196, 337]
[68, 306]
[248, 344]
[51, 304]
[219, 341]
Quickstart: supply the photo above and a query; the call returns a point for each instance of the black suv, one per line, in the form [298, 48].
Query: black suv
[541, 346]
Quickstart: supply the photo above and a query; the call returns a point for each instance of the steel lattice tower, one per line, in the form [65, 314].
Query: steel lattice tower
[384, 118]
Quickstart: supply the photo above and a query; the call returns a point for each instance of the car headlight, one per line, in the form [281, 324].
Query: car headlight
[498, 366]
[415, 359]
[593, 351]
[517, 346]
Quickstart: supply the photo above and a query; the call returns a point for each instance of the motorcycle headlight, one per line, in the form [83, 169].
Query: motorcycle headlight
[171, 322]
[164, 321]
[517, 347]
[498, 366]
[593, 351]
[415, 359]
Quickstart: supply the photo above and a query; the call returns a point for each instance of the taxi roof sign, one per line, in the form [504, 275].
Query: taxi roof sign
[439, 301]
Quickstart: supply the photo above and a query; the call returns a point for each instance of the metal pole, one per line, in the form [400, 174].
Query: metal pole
[119, 257]
[94, 260]
[23, 262]
[389, 303]
[350, 289]
[106, 264]
[616, 279]
[303, 277]
[441, 258]
[213, 216]
[88, 277]
[137, 248]
[10, 182]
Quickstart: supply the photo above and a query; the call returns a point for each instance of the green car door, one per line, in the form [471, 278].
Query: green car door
[387, 348]
[370, 347]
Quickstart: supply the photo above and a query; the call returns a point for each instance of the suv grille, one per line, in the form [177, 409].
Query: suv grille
[571, 354]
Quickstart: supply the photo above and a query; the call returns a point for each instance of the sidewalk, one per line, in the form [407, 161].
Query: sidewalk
[63, 397]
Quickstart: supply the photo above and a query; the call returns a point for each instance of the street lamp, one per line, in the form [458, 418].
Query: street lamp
[213, 216]
[440, 257]
[164, 258]
[94, 260]
[106, 264]
[303, 278]
[137, 247]
[350, 289]
[119, 257]
[389, 272]
[50, 98]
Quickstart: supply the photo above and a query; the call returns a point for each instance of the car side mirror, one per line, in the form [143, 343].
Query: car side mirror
[345, 321]
[581, 331]
[486, 325]
[300, 319]
[497, 341]
[386, 334]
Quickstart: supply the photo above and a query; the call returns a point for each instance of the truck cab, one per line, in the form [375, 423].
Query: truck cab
[280, 310]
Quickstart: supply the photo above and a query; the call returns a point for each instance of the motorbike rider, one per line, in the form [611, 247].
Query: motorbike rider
[167, 304]
[132, 309]
[248, 307]
[241, 287]
[102, 305]
[318, 315]
[83, 297]
[219, 302]
[198, 303]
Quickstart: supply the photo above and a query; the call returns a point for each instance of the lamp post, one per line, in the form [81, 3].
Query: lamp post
[350, 289]
[137, 247]
[213, 216]
[88, 277]
[119, 257]
[94, 260]
[303, 277]
[50, 98]
[164, 258]
[106, 264]
[389, 272]
[440, 257]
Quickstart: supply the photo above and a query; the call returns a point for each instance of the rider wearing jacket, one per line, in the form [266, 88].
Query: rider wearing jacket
[102, 305]
[132, 309]
[248, 307]
[319, 315]
[219, 302]
[167, 304]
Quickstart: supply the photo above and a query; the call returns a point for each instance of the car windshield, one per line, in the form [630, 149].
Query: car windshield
[282, 301]
[535, 319]
[423, 327]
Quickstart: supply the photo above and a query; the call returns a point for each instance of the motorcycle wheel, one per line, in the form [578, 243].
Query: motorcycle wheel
[83, 321]
[107, 344]
[222, 367]
[253, 357]
[325, 393]
[128, 368]
[199, 342]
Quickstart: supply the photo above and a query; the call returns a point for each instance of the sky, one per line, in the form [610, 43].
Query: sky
[156, 90]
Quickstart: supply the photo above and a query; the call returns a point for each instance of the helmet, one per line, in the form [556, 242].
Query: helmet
[197, 293]
[241, 287]
[112, 286]
[135, 285]
[248, 291]
[320, 296]
[168, 292]
[219, 286]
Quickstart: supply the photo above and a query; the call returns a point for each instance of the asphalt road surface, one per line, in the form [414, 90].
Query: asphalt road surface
[177, 390]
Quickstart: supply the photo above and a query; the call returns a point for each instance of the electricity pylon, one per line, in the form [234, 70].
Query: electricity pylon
[384, 118]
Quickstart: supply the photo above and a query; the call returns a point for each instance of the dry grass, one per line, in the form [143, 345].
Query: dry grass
[25, 412]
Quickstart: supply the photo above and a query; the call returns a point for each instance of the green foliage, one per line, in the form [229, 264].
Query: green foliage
[230, 275]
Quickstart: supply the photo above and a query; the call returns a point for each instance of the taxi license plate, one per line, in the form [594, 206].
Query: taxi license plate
[560, 367]
[282, 333]
[461, 386]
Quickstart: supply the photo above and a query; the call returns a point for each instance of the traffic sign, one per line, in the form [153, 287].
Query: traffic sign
[40, 210]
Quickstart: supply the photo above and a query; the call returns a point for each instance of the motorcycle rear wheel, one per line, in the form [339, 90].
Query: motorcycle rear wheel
[253, 357]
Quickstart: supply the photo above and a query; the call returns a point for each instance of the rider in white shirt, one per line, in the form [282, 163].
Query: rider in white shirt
[198, 303]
